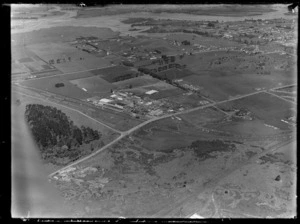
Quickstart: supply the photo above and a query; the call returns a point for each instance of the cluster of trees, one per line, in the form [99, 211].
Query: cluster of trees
[57, 85]
[185, 42]
[59, 60]
[55, 134]
[201, 33]
[154, 75]
[128, 63]
[203, 148]
[126, 76]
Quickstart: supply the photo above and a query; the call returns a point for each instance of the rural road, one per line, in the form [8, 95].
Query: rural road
[126, 133]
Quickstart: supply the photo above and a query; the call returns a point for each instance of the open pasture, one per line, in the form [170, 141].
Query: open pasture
[218, 86]
[22, 53]
[62, 34]
[206, 41]
[167, 134]
[48, 84]
[158, 44]
[77, 75]
[18, 68]
[166, 93]
[265, 107]
[111, 73]
[140, 81]
[204, 60]
[26, 61]
[94, 85]
[82, 65]
[117, 120]
[164, 90]
[246, 128]
[39, 67]
[175, 73]
[188, 101]
[67, 58]
[204, 116]
[49, 51]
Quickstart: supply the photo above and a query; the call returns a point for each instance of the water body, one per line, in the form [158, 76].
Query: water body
[32, 195]
[115, 21]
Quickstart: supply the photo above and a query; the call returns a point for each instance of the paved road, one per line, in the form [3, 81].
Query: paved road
[89, 156]
[126, 133]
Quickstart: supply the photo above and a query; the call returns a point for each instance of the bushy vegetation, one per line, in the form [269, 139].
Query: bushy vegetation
[125, 77]
[57, 85]
[202, 149]
[56, 135]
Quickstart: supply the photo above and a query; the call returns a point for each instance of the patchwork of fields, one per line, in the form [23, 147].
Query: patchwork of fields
[196, 123]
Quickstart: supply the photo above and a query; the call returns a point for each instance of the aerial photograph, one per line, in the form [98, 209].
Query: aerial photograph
[154, 111]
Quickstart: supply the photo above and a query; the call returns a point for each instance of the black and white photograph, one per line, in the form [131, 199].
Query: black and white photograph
[184, 111]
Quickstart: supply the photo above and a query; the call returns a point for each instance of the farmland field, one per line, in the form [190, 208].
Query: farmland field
[206, 41]
[67, 58]
[164, 90]
[166, 93]
[223, 86]
[94, 85]
[265, 107]
[62, 34]
[109, 74]
[191, 110]
[48, 51]
[203, 116]
[48, 84]
[190, 101]
[175, 73]
[26, 61]
[141, 81]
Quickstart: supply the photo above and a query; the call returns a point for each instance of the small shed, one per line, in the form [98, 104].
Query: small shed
[150, 92]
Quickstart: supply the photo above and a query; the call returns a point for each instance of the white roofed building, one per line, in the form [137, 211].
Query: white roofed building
[150, 92]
